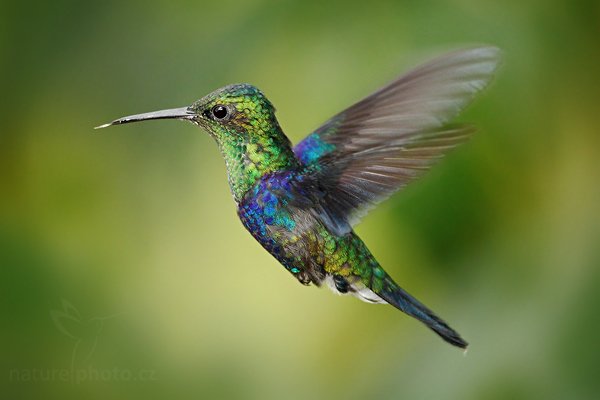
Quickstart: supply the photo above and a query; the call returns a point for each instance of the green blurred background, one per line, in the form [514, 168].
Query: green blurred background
[137, 224]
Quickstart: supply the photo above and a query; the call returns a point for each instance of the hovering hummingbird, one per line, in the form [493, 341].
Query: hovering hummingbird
[300, 202]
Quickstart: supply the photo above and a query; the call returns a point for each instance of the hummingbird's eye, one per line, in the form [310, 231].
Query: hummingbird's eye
[220, 112]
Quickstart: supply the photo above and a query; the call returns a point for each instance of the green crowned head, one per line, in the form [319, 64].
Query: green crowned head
[234, 109]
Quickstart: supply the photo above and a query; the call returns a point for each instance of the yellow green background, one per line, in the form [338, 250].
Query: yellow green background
[137, 222]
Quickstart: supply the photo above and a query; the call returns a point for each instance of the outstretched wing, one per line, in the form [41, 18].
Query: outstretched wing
[375, 147]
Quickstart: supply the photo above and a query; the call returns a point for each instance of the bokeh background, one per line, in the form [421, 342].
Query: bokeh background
[121, 250]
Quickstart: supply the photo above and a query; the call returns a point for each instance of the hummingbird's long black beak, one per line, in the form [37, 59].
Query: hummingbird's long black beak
[173, 113]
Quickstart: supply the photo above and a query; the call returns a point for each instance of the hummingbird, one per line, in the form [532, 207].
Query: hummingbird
[301, 202]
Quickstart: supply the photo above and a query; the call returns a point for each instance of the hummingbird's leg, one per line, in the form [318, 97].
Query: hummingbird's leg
[303, 278]
[341, 284]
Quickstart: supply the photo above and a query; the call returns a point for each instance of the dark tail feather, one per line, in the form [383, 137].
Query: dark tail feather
[400, 299]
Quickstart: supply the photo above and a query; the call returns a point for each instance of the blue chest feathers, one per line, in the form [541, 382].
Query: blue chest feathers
[265, 208]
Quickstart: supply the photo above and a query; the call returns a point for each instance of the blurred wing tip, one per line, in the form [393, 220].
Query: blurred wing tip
[490, 56]
[483, 51]
[482, 59]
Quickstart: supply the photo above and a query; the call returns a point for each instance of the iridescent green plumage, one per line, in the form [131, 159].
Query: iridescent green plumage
[301, 203]
[247, 156]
